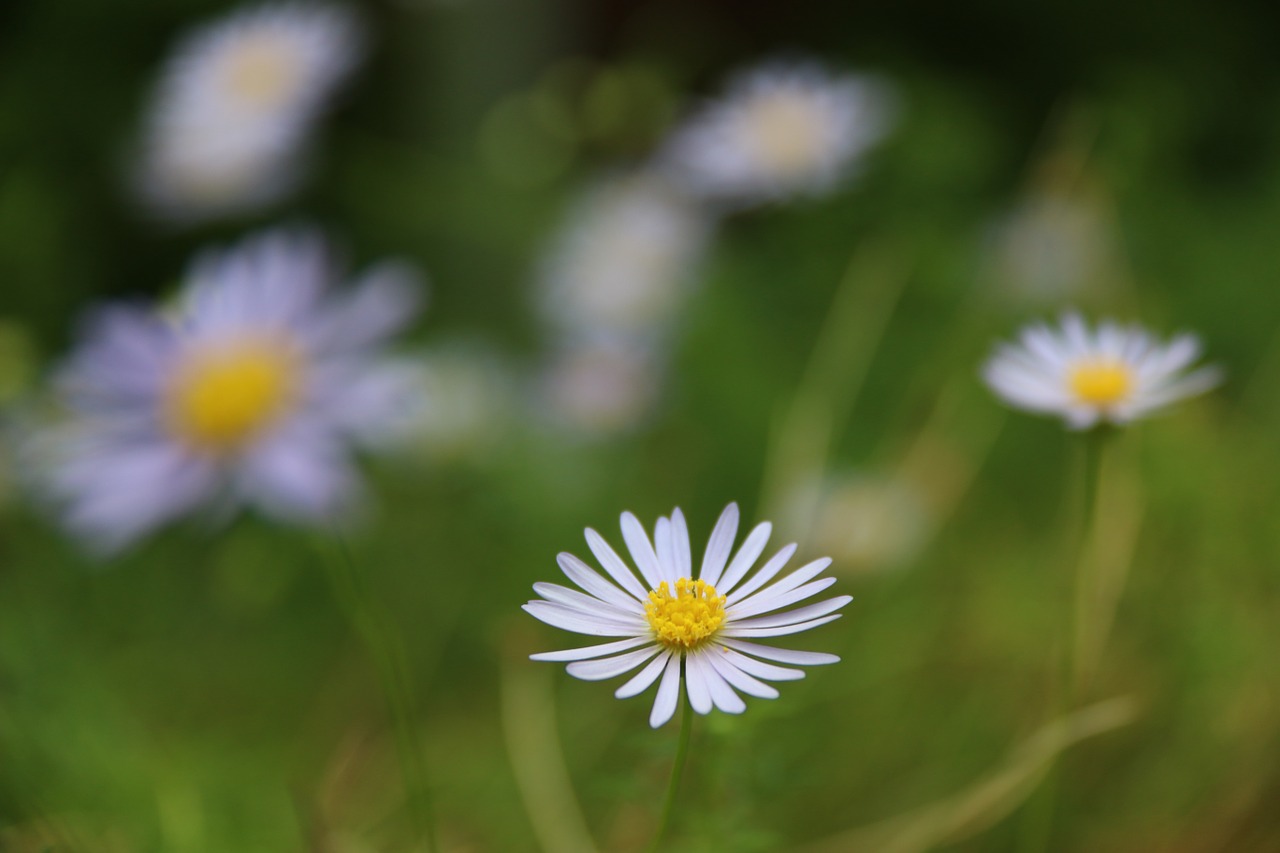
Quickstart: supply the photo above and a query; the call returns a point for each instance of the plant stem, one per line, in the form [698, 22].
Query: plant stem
[385, 646]
[677, 768]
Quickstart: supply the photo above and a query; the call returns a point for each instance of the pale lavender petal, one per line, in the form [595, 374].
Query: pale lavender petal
[582, 575]
[695, 684]
[720, 545]
[739, 679]
[587, 604]
[792, 656]
[642, 550]
[734, 631]
[641, 681]
[588, 652]
[747, 555]
[559, 616]
[722, 695]
[766, 573]
[800, 614]
[664, 704]
[614, 565]
[599, 670]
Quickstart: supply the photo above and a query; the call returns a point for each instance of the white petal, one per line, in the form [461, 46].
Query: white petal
[641, 681]
[588, 605]
[572, 620]
[722, 695]
[792, 656]
[737, 678]
[663, 546]
[759, 602]
[768, 600]
[599, 670]
[747, 555]
[801, 614]
[695, 683]
[720, 545]
[588, 652]
[582, 575]
[766, 573]
[664, 704]
[734, 631]
[683, 559]
[641, 550]
[613, 564]
[760, 669]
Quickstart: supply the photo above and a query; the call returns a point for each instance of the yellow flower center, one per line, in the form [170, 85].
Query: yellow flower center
[1101, 383]
[785, 132]
[261, 72]
[223, 396]
[687, 619]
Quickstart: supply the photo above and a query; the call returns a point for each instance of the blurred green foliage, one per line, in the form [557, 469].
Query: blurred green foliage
[204, 692]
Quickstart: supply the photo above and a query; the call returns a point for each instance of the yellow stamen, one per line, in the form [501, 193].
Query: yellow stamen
[221, 397]
[1101, 383]
[687, 619]
[785, 133]
[261, 71]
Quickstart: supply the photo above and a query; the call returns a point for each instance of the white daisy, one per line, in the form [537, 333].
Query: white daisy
[622, 262]
[671, 622]
[781, 129]
[249, 391]
[235, 104]
[1110, 374]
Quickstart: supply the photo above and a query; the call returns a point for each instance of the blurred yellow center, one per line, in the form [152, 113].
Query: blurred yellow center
[688, 618]
[783, 132]
[261, 72]
[1101, 383]
[222, 397]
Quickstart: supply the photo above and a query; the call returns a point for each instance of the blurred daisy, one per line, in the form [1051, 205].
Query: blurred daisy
[601, 387]
[622, 263]
[781, 129]
[671, 623]
[1052, 245]
[1109, 374]
[230, 118]
[248, 392]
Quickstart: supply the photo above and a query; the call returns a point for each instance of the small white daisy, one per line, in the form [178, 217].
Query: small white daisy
[623, 261]
[781, 129]
[671, 622]
[230, 118]
[248, 392]
[1110, 374]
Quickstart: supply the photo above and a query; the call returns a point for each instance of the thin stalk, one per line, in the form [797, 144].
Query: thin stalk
[380, 634]
[677, 768]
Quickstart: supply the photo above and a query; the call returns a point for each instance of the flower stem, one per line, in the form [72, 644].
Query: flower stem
[384, 644]
[677, 768]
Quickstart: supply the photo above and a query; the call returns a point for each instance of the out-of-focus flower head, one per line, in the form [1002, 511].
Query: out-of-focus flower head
[868, 522]
[468, 396]
[1052, 246]
[1111, 374]
[623, 261]
[781, 129]
[250, 390]
[229, 123]
[601, 387]
[671, 622]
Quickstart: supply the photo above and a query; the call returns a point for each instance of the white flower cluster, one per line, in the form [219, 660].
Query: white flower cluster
[230, 121]
[619, 271]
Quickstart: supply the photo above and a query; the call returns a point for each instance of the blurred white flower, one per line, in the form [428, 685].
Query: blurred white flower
[868, 522]
[623, 261]
[467, 394]
[672, 623]
[1051, 246]
[229, 123]
[781, 129]
[1109, 374]
[601, 387]
[249, 391]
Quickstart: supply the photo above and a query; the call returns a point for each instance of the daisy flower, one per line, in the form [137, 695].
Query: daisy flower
[671, 623]
[235, 104]
[782, 129]
[249, 390]
[622, 262]
[600, 387]
[1110, 374]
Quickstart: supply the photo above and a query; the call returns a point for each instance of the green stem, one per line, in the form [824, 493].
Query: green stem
[682, 752]
[385, 647]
